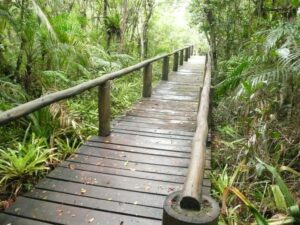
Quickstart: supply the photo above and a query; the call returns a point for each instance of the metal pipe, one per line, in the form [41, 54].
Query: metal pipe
[192, 191]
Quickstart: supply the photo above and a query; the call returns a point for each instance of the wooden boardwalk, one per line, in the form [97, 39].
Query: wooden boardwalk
[123, 179]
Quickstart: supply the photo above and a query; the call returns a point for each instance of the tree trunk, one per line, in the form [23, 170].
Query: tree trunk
[22, 44]
[105, 9]
[124, 25]
[212, 36]
[148, 6]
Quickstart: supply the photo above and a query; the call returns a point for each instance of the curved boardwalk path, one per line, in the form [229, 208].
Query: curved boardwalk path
[123, 179]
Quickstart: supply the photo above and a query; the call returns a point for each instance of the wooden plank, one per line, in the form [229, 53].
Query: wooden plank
[176, 129]
[65, 214]
[104, 193]
[122, 131]
[114, 181]
[124, 172]
[160, 104]
[183, 78]
[107, 205]
[133, 157]
[125, 148]
[130, 165]
[117, 181]
[123, 138]
[165, 112]
[146, 142]
[175, 97]
[161, 116]
[177, 93]
[189, 84]
[6, 219]
[166, 103]
[154, 129]
[178, 87]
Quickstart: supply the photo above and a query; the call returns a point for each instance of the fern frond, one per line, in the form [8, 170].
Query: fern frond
[43, 18]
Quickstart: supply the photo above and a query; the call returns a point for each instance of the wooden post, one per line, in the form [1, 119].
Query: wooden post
[104, 109]
[186, 54]
[181, 58]
[165, 68]
[192, 50]
[147, 83]
[175, 63]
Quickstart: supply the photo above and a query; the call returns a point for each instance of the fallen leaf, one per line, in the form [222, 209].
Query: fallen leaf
[60, 212]
[71, 166]
[82, 191]
[126, 163]
[17, 209]
[171, 189]
[91, 220]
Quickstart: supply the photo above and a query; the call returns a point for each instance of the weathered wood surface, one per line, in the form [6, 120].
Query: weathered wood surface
[123, 179]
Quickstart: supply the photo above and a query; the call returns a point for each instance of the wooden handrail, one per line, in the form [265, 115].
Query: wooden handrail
[31, 106]
[192, 191]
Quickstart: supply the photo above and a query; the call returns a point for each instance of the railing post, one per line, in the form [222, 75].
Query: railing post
[175, 62]
[104, 109]
[147, 81]
[181, 58]
[165, 68]
[186, 54]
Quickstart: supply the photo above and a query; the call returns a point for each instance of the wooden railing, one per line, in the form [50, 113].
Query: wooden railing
[192, 191]
[186, 207]
[103, 84]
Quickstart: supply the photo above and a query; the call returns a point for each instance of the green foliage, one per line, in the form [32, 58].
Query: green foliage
[255, 48]
[288, 200]
[25, 160]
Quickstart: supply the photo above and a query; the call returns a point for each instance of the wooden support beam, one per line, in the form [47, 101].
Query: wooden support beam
[181, 58]
[165, 68]
[175, 62]
[104, 109]
[186, 54]
[147, 81]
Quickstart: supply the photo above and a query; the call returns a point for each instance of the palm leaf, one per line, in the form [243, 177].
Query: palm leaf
[43, 18]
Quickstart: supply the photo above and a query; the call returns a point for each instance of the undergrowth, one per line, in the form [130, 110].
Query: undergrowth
[34, 145]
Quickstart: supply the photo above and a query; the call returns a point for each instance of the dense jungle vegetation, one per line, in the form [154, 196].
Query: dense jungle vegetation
[46, 46]
[255, 48]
